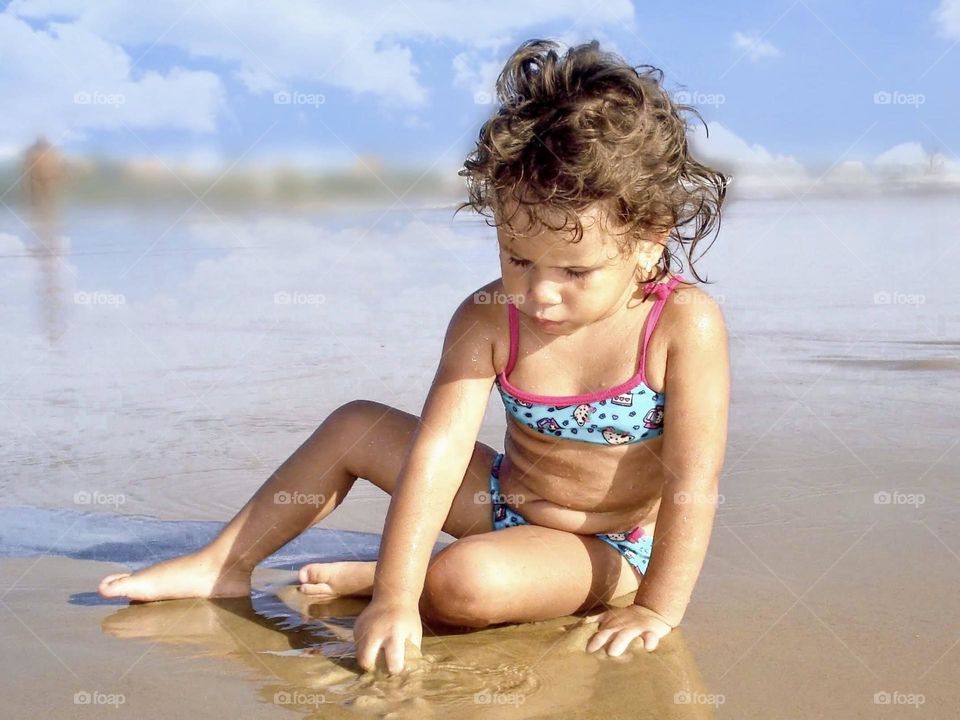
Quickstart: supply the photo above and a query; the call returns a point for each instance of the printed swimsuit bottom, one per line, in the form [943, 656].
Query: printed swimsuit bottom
[636, 552]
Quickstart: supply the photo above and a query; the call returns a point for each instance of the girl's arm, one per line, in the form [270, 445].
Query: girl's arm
[440, 453]
[697, 388]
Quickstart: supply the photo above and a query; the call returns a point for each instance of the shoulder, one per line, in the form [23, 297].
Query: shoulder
[483, 306]
[694, 316]
[474, 326]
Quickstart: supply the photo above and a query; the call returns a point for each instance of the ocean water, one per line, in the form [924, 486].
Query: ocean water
[167, 361]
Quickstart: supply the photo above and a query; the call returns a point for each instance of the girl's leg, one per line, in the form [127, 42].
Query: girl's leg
[360, 439]
[526, 573]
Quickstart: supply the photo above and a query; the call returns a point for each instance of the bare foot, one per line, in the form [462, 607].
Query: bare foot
[327, 581]
[188, 576]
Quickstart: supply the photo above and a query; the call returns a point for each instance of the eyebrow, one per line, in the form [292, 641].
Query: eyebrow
[559, 267]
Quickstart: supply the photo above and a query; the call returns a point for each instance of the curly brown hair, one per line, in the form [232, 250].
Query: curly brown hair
[587, 128]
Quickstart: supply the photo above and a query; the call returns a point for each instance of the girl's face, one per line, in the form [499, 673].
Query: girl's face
[569, 284]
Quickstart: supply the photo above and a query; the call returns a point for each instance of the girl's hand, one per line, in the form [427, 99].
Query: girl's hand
[386, 625]
[621, 626]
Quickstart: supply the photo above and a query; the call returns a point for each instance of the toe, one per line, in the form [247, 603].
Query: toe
[109, 587]
[312, 573]
[318, 589]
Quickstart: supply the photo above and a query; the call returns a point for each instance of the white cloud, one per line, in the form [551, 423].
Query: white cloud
[358, 46]
[758, 172]
[904, 154]
[66, 79]
[948, 16]
[754, 47]
[753, 166]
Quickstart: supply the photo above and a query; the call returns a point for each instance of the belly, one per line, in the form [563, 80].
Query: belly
[581, 487]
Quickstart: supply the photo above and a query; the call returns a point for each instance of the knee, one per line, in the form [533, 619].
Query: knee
[353, 417]
[463, 586]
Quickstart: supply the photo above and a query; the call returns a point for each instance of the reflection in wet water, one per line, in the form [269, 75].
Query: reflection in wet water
[302, 655]
[43, 171]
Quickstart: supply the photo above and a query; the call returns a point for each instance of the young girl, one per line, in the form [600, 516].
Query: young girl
[585, 169]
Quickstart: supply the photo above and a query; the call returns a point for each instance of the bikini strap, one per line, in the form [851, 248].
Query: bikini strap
[662, 291]
[514, 323]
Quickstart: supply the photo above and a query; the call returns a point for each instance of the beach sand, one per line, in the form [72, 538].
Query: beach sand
[829, 589]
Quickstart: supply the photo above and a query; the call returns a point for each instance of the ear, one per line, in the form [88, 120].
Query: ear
[649, 250]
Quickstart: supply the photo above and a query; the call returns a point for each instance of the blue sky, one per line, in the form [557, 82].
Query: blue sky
[196, 82]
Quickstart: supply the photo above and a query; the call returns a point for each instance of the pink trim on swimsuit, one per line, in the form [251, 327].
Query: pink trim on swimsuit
[662, 291]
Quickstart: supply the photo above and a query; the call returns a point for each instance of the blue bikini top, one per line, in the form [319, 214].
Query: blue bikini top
[628, 413]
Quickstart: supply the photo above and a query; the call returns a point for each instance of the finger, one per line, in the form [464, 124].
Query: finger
[367, 652]
[621, 641]
[650, 640]
[598, 640]
[393, 651]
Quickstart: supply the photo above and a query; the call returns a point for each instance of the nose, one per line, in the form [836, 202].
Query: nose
[543, 292]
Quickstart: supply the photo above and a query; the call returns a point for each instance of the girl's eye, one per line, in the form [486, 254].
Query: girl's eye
[577, 274]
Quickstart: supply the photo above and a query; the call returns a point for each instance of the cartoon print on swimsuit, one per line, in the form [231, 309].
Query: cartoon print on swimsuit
[602, 418]
[654, 418]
